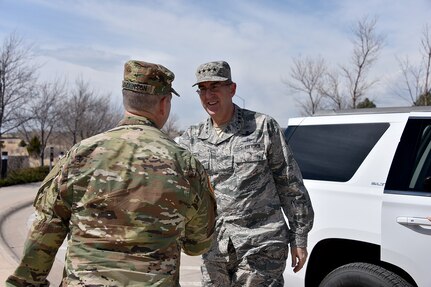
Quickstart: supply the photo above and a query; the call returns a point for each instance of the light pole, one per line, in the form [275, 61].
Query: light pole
[243, 101]
[51, 157]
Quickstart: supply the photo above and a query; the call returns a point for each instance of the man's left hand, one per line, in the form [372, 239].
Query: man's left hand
[299, 256]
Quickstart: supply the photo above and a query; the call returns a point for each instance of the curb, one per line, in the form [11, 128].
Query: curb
[4, 214]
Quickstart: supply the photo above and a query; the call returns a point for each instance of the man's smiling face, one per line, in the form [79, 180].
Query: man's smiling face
[216, 98]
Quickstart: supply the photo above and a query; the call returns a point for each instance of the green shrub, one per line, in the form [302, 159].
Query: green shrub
[25, 175]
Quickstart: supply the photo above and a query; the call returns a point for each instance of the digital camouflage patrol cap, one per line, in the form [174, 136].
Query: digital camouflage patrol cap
[148, 78]
[213, 72]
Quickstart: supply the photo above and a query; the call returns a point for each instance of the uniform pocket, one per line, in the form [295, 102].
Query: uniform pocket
[251, 169]
[222, 164]
[249, 157]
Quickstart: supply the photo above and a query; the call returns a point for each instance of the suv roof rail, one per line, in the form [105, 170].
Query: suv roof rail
[374, 110]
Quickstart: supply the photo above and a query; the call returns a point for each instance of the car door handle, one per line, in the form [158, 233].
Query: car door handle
[406, 220]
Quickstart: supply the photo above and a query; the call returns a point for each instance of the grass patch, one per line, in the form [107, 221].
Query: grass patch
[25, 175]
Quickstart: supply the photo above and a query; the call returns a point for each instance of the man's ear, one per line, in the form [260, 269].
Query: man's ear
[233, 89]
[164, 104]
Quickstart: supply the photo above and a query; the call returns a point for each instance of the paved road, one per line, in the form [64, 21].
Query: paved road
[15, 212]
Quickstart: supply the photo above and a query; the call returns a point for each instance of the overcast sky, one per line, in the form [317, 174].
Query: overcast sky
[92, 39]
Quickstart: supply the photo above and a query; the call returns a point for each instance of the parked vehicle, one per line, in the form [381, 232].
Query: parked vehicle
[368, 172]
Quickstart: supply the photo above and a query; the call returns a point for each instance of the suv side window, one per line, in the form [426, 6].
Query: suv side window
[411, 168]
[332, 152]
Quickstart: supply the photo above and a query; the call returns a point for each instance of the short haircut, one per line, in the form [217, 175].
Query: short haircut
[134, 101]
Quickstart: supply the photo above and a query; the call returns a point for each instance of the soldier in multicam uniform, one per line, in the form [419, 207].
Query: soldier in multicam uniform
[254, 177]
[128, 199]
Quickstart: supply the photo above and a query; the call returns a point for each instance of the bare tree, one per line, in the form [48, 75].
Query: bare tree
[410, 89]
[102, 116]
[306, 77]
[17, 78]
[416, 86]
[171, 127]
[426, 55]
[367, 45]
[325, 88]
[85, 113]
[46, 114]
[331, 91]
[75, 108]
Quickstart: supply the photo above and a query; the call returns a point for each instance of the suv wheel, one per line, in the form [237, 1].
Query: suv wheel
[363, 275]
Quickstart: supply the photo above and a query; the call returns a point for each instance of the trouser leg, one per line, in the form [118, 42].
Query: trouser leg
[263, 269]
[220, 274]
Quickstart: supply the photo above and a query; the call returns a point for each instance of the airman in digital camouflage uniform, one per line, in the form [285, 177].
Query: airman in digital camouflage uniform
[254, 177]
[128, 199]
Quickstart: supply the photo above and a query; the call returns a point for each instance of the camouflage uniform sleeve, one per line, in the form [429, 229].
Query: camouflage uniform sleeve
[47, 233]
[200, 228]
[294, 197]
[185, 139]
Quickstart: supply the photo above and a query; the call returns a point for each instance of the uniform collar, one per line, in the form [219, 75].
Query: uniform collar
[136, 120]
[209, 133]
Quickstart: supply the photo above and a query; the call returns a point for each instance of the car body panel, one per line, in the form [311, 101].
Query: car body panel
[359, 209]
[404, 245]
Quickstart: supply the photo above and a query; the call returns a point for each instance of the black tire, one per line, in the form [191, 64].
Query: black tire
[363, 275]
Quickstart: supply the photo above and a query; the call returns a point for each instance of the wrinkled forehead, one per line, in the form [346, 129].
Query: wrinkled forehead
[209, 84]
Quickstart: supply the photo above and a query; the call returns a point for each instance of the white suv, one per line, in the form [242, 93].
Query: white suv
[368, 172]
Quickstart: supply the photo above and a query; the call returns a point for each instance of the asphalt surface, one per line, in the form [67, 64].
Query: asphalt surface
[15, 216]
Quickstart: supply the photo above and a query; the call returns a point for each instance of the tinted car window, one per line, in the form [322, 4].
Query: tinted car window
[332, 152]
[411, 168]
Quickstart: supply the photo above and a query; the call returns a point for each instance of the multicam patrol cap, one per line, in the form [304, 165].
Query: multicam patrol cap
[213, 72]
[148, 78]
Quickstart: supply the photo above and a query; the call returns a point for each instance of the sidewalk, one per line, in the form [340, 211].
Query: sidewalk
[12, 199]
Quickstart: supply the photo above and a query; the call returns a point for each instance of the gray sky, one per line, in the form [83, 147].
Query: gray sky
[92, 39]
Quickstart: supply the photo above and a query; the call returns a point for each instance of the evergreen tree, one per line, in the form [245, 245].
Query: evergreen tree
[34, 147]
[366, 103]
